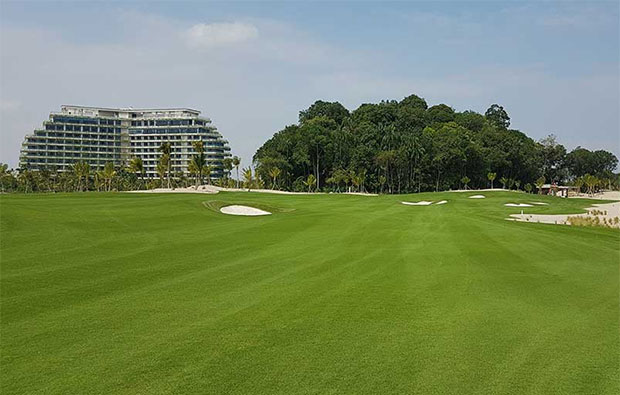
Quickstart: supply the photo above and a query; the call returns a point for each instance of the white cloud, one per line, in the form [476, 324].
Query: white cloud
[211, 35]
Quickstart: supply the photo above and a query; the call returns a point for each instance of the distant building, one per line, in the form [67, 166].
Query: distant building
[99, 135]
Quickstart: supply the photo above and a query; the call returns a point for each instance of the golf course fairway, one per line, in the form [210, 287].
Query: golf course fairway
[331, 294]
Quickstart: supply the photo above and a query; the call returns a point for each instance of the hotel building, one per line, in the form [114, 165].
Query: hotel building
[99, 135]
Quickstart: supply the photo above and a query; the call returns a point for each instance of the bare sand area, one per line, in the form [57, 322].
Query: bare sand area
[605, 195]
[477, 197]
[606, 214]
[236, 209]
[212, 189]
[420, 203]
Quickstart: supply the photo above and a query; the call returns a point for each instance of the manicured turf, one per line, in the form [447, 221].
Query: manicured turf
[127, 293]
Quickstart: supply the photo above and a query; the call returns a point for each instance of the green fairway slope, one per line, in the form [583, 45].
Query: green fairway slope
[148, 293]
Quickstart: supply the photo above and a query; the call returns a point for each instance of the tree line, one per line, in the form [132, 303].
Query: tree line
[406, 146]
[81, 177]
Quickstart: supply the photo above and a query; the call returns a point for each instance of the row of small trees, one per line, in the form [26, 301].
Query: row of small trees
[132, 177]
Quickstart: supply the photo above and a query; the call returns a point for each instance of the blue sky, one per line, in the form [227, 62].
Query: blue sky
[252, 66]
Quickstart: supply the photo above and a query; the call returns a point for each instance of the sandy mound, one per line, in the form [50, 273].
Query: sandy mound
[442, 202]
[477, 197]
[243, 210]
[421, 203]
[518, 205]
[608, 212]
[540, 203]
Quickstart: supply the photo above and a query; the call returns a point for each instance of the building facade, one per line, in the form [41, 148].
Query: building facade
[100, 135]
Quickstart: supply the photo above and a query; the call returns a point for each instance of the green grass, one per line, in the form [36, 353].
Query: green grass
[147, 294]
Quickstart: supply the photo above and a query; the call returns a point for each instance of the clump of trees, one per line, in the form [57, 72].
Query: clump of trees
[406, 146]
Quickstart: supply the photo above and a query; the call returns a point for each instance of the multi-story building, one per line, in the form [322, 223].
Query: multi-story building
[100, 135]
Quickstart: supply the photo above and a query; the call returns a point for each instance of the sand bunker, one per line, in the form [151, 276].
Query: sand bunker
[518, 205]
[243, 210]
[422, 203]
[442, 202]
[477, 197]
[540, 203]
[603, 213]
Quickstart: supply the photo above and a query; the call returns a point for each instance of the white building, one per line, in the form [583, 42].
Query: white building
[98, 135]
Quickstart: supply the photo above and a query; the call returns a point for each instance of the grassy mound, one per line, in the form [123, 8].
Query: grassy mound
[153, 293]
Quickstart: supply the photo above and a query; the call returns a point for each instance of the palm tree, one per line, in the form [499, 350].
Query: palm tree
[137, 166]
[491, 177]
[161, 171]
[504, 181]
[199, 160]
[108, 174]
[81, 170]
[539, 184]
[236, 162]
[166, 150]
[3, 174]
[591, 183]
[518, 184]
[192, 168]
[310, 181]
[207, 169]
[274, 172]
[247, 177]
[465, 180]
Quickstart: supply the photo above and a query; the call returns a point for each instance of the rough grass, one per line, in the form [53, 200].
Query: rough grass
[132, 293]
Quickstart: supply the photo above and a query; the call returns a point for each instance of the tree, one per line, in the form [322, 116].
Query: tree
[274, 172]
[539, 184]
[465, 180]
[248, 178]
[491, 177]
[528, 187]
[199, 161]
[591, 183]
[517, 184]
[504, 181]
[165, 159]
[236, 161]
[497, 116]
[553, 156]
[81, 170]
[332, 110]
[137, 166]
[310, 182]
[108, 174]
[161, 171]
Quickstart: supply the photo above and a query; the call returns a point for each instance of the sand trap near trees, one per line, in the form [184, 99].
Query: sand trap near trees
[477, 197]
[518, 205]
[421, 203]
[607, 214]
[243, 210]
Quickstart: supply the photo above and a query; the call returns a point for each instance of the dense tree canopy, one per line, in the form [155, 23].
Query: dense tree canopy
[407, 146]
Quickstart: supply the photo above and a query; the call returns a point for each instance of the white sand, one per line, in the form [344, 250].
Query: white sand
[540, 203]
[610, 211]
[208, 189]
[518, 205]
[421, 203]
[442, 202]
[477, 197]
[243, 210]
[605, 195]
